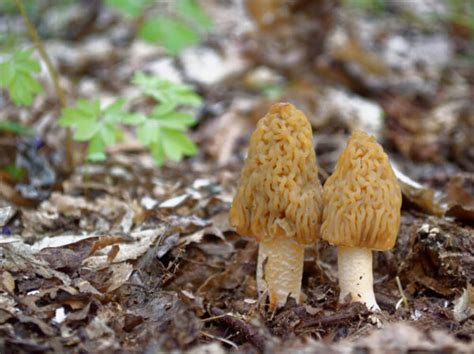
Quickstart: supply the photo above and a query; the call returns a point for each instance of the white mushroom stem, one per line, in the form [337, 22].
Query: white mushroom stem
[280, 269]
[355, 275]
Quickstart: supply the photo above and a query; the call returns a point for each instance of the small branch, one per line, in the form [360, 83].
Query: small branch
[402, 293]
[332, 320]
[244, 328]
[223, 340]
[52, 72]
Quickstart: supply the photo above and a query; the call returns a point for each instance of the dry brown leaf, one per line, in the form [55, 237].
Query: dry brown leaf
[105, 241]
[7, 281]
[140, 242]
[19, 258]
[113, 253]
[464, 305]
[460, 196]
[423, 197]
[120, 274]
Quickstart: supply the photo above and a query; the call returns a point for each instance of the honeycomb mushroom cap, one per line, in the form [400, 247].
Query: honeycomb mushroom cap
[279, 192]
[362, 198]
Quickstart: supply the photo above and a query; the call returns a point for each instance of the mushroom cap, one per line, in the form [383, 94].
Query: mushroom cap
[279, 193]
[362, 198]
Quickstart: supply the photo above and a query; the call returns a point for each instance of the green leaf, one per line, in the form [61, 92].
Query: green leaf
[16, 75]
[115, 107]
[84, 112]
[164, 108]
[148, 133]
[171, 33]
[100, 127]
[176, 120]
[168, 93]
[96, 149]
[17, 128]
[108, 134]
[129, 7]
[15, 172]
[89, 109]
[7, 73]
[113, 113]
[177, 145]
[158, 153]
[188, 98]
[133, 118]
[85, 130]
[192, 11]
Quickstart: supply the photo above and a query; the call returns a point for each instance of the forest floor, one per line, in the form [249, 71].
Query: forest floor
[126, 257]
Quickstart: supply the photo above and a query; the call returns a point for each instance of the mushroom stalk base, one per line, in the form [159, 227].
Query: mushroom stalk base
[355, 275]
[280, 269]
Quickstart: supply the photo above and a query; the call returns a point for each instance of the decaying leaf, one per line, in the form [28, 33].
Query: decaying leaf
[120, 274]
[464, 305]
[139, 243]
[7, 282]
[422, 197]
[460, 196]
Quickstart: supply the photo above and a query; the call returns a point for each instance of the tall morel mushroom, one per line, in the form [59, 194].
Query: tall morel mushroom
[362, 202]
[279, 200]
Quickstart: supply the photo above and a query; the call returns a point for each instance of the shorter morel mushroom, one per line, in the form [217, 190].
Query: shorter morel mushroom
[362, 202]
[279, 200]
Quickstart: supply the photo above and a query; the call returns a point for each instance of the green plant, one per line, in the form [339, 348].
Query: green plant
[16, 75]
[273, 91]
[51, 70]
[162, 131]
[16, 173]
[9, 7]
[367, 5]
[182, 26]
[15, 128]
[99, 126]
[462, 13]
[129, 7]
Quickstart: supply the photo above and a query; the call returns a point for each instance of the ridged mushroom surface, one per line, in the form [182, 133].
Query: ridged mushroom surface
[362, 198]
[279, 192]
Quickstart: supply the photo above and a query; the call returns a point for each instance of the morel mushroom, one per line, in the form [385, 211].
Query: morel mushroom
[362, 202]
[279, 200]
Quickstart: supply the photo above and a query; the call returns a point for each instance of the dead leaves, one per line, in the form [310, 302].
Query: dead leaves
[441, 259]
[460, 196]
[7, 282]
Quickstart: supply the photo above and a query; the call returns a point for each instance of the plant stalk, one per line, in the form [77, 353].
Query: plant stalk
[52, 72]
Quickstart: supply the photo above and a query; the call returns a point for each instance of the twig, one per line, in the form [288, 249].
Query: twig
[402, 293]
[244, 328]
[334, 319]
[52, 72]
[223, 340]
[202, 263]
[212, 318]
[207, 281]
[146, 289]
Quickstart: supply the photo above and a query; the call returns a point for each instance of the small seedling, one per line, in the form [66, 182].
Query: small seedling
[162, 131]
[16, 75]
[99, 127]
[15, 128]
[181, 26]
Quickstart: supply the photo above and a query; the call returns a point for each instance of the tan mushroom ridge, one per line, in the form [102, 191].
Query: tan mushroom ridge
[279, 199]
[362, 202]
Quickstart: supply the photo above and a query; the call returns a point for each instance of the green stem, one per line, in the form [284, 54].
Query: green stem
[52, 72]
